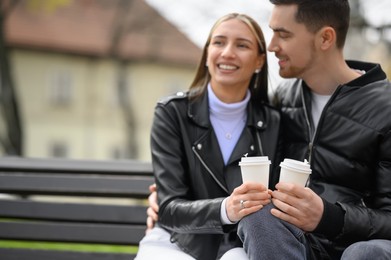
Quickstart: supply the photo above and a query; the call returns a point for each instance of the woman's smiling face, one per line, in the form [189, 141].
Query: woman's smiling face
[233, 55]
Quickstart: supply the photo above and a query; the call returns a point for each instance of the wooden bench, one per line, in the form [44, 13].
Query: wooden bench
[73, 201]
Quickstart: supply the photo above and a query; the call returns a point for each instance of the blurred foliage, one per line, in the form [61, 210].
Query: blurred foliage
[47, 5]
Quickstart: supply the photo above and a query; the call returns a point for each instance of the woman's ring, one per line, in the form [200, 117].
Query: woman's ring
[242, 204]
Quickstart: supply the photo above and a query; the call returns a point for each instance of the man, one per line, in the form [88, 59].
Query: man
[335, 114]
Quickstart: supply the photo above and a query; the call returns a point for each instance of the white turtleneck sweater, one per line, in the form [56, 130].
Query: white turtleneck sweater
[228, 121]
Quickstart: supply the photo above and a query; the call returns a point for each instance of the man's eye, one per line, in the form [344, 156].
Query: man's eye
[284, 35]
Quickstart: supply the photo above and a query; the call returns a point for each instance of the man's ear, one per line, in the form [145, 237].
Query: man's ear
[326, 38]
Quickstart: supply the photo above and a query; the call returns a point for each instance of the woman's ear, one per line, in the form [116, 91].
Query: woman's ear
[260, 62]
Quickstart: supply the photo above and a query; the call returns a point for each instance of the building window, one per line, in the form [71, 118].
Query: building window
[60, 88]
[58, 150]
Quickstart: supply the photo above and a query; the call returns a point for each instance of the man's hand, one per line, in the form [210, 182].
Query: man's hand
[153, 208]
[246, 199]
[297, 205]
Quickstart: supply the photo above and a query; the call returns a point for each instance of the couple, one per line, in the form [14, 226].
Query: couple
[335, 115]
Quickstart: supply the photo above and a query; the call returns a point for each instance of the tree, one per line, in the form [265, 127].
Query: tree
[11, 134]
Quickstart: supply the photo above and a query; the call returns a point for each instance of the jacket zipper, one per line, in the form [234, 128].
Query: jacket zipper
[312, 138]
[310, 145]
[209, 170]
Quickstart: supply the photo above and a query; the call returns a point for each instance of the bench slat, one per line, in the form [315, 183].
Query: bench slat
[56, 165]
[30, 254]
[72, 232]
[77, 185]
[78, 212]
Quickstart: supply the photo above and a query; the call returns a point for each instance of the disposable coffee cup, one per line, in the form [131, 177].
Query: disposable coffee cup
[294, 171]
[255, 169]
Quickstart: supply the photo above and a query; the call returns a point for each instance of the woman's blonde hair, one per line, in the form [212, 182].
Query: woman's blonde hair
[259, 81]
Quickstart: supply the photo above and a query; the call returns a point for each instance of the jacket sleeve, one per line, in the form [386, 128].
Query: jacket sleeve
[178, 211]
[372, 221]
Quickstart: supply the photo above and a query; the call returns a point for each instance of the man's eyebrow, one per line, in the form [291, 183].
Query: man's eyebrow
[280, 29]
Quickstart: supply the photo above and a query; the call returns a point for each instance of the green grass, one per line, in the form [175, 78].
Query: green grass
[69, 246]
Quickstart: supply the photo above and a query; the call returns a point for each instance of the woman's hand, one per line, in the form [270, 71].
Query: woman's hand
[153, 209]
[246, 199]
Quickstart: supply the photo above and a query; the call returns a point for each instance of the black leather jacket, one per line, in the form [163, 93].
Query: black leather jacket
[191, 178]
[350, 154]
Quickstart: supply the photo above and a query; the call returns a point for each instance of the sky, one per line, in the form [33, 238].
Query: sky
[195, 17]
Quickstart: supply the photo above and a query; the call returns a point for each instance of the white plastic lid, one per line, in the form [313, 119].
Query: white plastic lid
[255, 160]
[297, 165]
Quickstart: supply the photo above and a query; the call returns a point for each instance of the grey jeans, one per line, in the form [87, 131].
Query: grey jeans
[378, 249]
[267, 237]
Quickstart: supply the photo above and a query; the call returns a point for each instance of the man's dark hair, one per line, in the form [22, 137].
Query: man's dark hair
[315, 14]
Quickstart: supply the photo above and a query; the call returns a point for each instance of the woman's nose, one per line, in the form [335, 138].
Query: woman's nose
[228, 51]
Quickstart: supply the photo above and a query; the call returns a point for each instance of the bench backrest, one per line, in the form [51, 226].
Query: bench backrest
[73, 200]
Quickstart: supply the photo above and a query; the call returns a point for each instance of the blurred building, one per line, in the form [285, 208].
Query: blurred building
[88, 74]
[366, 41]
[378, 50]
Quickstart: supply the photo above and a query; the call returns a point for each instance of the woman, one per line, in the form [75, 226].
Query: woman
[197, 140]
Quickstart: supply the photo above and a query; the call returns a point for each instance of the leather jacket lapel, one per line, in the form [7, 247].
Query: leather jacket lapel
[205, 142]
[245, 145]
[247, 142]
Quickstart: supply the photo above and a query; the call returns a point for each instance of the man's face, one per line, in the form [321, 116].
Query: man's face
[292, 43]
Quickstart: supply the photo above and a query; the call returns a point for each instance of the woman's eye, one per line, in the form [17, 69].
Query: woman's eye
[243, 46]
[218, 43]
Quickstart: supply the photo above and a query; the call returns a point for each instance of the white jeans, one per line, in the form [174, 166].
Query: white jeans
[156, 245]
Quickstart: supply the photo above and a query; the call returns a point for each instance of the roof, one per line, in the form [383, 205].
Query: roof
[125, 29]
